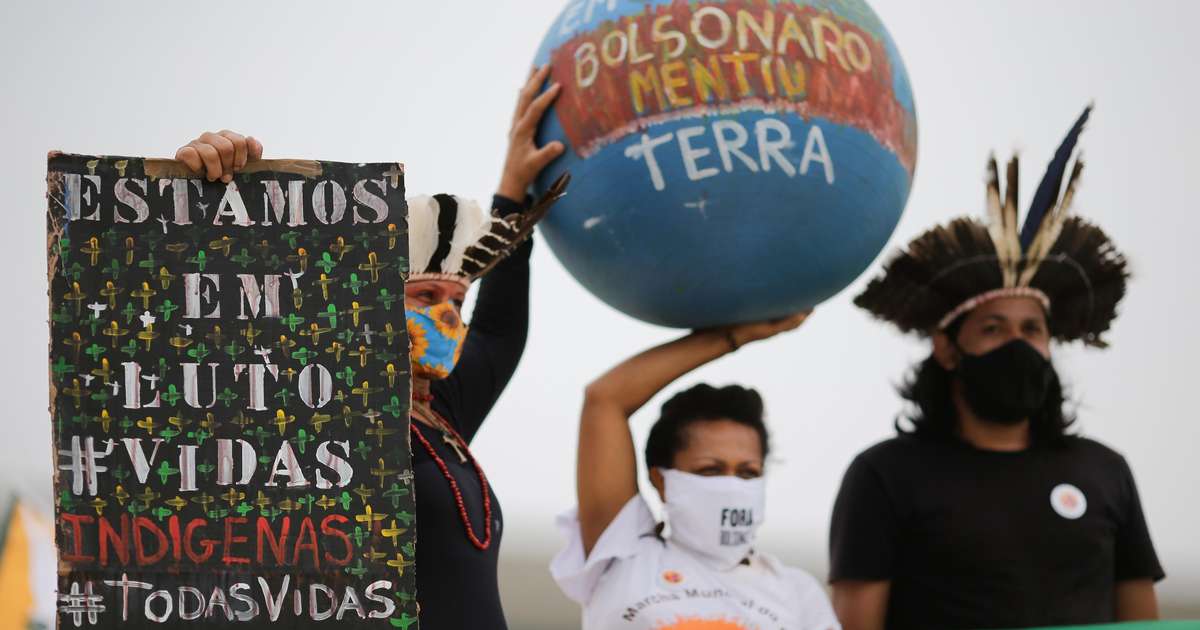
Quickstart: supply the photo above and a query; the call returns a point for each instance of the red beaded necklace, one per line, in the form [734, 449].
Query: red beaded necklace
[449, 432]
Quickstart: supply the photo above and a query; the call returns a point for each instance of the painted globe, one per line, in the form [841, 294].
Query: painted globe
[731, 161]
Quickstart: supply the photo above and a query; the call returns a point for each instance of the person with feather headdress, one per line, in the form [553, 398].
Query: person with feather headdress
[986, 512]
[458, 373]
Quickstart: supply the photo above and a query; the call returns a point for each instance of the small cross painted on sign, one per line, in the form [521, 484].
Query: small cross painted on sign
[394, 174]
[294, 276]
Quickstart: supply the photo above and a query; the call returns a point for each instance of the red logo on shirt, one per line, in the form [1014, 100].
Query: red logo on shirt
[1068, 501]
[672, 577]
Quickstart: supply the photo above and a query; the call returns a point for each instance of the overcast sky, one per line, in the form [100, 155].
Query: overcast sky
[432, 84]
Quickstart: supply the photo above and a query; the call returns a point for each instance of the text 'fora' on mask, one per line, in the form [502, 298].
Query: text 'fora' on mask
[715, 517]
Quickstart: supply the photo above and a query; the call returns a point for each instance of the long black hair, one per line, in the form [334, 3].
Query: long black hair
[929, 388]
[699, 403]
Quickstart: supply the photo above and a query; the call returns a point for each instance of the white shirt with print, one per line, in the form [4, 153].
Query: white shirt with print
[634, 580]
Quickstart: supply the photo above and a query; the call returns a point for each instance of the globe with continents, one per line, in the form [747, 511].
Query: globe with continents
[731, 161]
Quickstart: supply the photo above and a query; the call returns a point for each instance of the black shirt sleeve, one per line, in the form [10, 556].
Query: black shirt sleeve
[1135, 555]
[494, 343]
[863, 531]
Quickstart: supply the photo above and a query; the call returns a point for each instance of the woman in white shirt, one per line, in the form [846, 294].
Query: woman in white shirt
[706, 456]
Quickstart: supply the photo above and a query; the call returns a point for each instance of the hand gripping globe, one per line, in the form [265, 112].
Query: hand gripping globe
[731, 161]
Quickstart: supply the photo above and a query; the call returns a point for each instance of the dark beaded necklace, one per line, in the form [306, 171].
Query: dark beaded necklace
[451, 437]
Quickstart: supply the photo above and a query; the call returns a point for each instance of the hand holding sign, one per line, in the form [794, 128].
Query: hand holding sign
[218, 155]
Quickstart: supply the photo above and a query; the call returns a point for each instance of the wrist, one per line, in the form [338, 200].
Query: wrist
[512, 189]
[721, 340]
[718, 340]
[732, 340]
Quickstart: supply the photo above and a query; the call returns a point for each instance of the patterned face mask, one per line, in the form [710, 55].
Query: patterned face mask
[436, 335]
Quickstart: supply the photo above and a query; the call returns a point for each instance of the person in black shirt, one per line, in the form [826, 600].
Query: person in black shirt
[459, 521]
[458, 375]
[987, 513]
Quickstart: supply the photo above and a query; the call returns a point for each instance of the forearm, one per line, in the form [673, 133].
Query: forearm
[635, 381]
[1136, 600]
[502, 307]
[861, 605]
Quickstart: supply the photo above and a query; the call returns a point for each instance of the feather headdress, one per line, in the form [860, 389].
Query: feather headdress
[1063, 261]
[451, 238]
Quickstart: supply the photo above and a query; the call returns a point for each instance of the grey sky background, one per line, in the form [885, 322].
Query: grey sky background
[432, 85]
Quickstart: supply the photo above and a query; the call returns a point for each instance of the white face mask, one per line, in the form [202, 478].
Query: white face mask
[715, 517]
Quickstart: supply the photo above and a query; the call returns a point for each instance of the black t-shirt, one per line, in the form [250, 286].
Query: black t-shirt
[456, 582]
[985, 539]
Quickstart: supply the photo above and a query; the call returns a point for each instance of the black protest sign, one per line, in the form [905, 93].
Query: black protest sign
[229, 395]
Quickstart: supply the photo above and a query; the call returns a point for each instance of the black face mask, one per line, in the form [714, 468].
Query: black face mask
[1008, 384]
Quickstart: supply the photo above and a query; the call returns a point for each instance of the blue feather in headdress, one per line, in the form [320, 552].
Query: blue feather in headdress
[1046, 195]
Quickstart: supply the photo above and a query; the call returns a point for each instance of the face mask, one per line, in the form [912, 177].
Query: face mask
[1008, 384]
[435, 344]
[715, 517]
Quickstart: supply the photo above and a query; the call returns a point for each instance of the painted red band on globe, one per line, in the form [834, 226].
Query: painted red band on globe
[682, 61]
